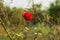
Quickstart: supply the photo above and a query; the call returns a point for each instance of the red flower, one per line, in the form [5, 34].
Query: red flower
[27, 16]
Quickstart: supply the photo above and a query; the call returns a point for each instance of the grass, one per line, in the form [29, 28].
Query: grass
[39, 32]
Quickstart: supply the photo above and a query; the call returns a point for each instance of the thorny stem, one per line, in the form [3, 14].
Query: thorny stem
[3, 24]
[5, 29]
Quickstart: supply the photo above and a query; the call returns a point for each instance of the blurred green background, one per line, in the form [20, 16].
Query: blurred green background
[46, 23]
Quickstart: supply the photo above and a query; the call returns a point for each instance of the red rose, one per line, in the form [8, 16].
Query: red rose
[27, 16]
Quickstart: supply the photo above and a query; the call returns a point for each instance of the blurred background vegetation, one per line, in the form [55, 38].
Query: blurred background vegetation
[46, 23]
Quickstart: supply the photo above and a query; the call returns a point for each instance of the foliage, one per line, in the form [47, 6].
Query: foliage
[54, 11]
[14, 27]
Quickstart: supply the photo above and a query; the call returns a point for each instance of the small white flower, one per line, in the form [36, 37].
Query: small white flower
[35, 33]
[39, 34]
